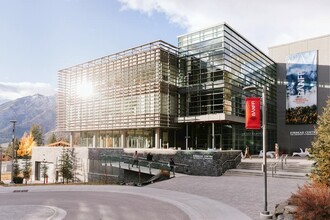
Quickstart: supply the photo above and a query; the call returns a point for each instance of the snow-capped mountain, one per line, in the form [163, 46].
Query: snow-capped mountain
[36, 109]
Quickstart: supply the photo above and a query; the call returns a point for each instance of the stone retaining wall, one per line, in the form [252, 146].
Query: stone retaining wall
[200, 162]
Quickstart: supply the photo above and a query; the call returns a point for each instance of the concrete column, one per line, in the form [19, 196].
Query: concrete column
[174, 139]
[157, 136]
[71, 139]
[213, 145]
[123, 139]
[94, 141]
[234, 137]
[187, 138]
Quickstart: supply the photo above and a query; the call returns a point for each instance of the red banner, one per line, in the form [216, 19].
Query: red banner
[252, 113]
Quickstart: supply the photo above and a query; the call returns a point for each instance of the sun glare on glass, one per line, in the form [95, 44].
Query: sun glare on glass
[85, 89]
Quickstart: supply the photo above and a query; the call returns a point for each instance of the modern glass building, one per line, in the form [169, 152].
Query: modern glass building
[128, 99]
[157, 95]
[215, 64]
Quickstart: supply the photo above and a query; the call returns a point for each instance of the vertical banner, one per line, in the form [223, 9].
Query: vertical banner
[301, 90]
[252, 113]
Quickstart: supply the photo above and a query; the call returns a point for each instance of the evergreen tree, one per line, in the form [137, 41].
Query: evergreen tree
[16, 173]
[27, 169]
[44, 169]
[320, 151]
[9, 150]
[52, 138]
[68, 164]
[37, 134]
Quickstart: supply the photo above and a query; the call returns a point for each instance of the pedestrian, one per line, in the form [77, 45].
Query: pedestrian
[277, 155]
[171, 163]
[247, 152]
[149, 157]
[135, 159]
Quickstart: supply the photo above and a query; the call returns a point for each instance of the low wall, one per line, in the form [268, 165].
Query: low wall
[200, 162]
[51, 156]
[208, 163]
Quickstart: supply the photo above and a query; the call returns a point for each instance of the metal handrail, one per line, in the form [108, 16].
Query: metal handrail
[230, 160]
[144, 163]
[283, 158]
[273, 166]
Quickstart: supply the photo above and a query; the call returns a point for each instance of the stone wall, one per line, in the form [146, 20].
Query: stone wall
[97, 153]
[208, 163]
[199, 162]
[284, 211]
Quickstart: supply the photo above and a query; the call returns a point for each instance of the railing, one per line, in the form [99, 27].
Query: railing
[230, 161]
[273, 167]
[143, 162]
[283, 158]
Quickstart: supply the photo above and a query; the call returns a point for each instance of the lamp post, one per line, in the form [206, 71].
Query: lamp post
[0, 163]
[13, 151]
[265, 214]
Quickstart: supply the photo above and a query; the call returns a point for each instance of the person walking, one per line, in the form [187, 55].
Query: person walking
[247, 152]
[149, 157]
[135, 159]
[171, 163]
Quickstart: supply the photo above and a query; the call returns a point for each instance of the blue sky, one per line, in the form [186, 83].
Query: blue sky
[40, 37]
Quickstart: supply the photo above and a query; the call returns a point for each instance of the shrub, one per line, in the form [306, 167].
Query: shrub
[18, 180]
[312, 201]
[165, 173]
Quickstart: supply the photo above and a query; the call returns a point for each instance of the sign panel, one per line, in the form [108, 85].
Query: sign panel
[301, 90]
[302, 133]
[252, 113]
[201, 157]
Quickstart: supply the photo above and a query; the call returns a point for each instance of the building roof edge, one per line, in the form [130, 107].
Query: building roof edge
[307, 39]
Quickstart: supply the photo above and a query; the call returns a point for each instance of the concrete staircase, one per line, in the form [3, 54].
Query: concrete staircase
[293, 168]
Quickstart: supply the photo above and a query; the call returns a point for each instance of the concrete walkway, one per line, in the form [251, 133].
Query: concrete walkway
[242, 192]
[195, 206]
[224, 197]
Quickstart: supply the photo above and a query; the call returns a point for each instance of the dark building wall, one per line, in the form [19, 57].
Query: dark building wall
[292, 137]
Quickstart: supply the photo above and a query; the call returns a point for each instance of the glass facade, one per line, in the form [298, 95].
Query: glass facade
[214, 66]
[121, 100]
[157, 95]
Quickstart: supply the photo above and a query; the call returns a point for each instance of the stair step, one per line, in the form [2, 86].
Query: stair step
[291, 169]
[242, 172]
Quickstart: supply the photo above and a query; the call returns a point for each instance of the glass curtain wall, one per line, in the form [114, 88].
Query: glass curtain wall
[214, 66]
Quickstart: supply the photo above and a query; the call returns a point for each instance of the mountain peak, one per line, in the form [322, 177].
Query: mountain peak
[38, 95]
[35, 109]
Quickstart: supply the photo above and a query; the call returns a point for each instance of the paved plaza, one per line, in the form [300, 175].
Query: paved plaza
[183, 197]
[242, 192]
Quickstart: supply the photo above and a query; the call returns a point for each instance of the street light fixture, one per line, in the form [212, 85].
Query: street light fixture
[265, 214]
[13, 151]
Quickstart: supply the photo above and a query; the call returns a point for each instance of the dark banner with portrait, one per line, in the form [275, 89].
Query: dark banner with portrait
[301, 90]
